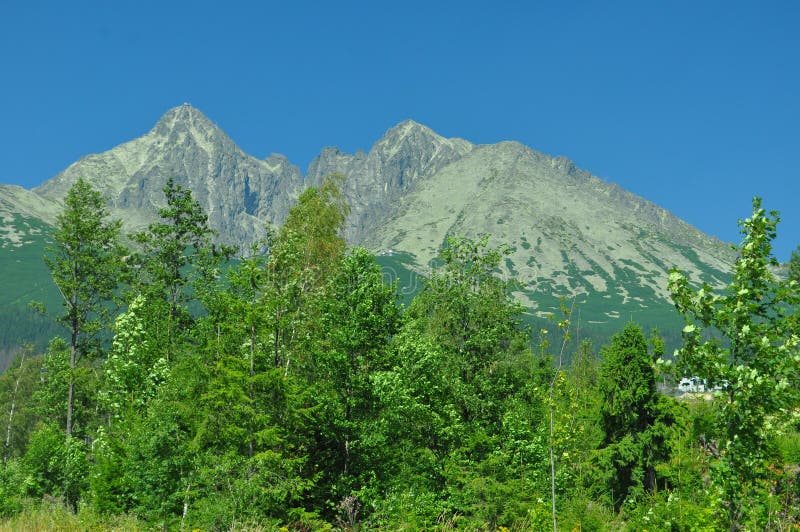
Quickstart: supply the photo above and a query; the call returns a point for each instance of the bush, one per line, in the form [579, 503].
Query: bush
[11, 488]
[54, 466]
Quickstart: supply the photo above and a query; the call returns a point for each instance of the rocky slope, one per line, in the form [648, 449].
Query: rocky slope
[237, 191]
[571, 232]
[22, 213]
[376, 181]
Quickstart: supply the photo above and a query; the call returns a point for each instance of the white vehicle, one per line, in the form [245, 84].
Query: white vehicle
[692, 385]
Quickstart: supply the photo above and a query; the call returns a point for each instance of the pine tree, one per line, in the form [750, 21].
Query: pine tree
[85, 261]
[633, 416]
[175, 253]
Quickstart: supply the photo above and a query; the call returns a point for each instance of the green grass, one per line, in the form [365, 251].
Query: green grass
[53, 516]
[789, 447]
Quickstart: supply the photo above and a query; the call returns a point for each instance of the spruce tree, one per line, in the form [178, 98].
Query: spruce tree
[85, 261]
[633, 416]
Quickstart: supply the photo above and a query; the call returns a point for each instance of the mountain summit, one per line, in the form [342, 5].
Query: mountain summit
[570, 233]
[404, 156]
[187, 119]
[236, 190]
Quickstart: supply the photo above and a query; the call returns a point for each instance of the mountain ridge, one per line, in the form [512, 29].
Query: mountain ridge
[236, 190]
[577, 228]
[570, 232]
[405, 154]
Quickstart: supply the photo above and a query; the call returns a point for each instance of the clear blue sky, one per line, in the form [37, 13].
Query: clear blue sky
[694, 105]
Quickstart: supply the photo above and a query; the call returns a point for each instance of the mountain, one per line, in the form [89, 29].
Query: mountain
[237, 191]
[25, 223]
[376, 181]
[570, 233]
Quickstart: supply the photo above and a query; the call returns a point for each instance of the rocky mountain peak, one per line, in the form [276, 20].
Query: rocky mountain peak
[409, 128]
[405, 155]
[186, 123]
[411, 134]
[236, 190]
[183, 115]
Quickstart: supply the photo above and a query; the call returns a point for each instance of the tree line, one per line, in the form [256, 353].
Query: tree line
[291, 391]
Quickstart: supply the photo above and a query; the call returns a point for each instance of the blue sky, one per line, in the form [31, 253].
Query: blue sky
[694, 105]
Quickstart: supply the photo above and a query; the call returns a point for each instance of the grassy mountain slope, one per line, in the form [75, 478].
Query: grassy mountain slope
[570, 233]
[25, 278]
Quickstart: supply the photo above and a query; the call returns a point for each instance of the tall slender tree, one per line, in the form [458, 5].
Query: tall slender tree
[745, 340]
[305, 253]
[85, 261]
[175, 252]
[358, 317]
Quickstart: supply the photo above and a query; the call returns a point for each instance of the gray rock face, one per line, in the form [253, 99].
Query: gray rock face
[238, 192]
[406, 155]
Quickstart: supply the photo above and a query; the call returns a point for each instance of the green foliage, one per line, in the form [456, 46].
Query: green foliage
[86, 263]
[583, 407]
[55, 466]
[634, 418]
[460, 410]
[133, 370]
[304, 255]
[789, 447]
[298, 395]
[309, 243]
[358, 316]
[47, 515]
[467, 311]
[231, 487]
[18, 410]
[175, 253]
[12, 487]
[746, 340]
[666, 510]
[794, 265]
[51, 394]
[153, 463]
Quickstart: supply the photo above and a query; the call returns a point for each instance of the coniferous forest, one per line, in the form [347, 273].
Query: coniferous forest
[288, 389]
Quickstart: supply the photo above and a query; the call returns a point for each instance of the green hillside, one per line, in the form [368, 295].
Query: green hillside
[24, 278]
[628, 298]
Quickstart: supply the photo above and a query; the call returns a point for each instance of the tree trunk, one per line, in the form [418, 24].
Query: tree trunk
[71, 393]
[7, 449]
[73, 351]
[250, 394]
